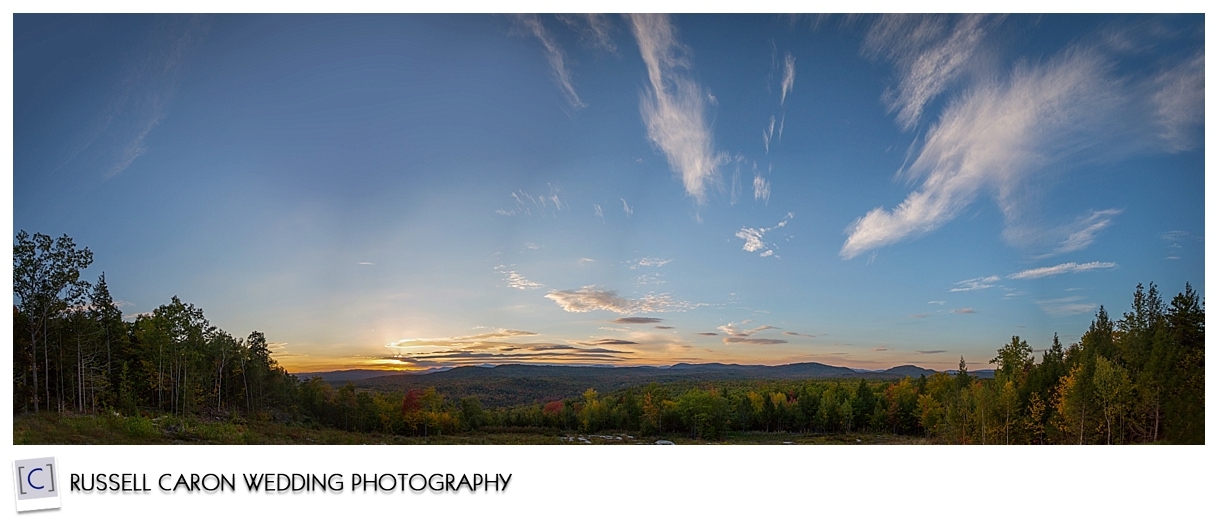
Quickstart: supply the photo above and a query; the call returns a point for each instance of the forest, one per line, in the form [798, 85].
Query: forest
[1136, 378]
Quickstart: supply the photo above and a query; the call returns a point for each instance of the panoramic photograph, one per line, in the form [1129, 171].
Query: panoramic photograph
[608, 229]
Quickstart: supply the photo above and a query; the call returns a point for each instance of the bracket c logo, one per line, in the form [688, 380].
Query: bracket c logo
[36, 485]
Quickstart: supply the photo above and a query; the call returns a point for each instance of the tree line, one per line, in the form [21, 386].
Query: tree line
[73, 351]
[1136, 379]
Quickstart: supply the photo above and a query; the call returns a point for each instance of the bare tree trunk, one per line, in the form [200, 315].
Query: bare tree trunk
[1155, 436]
[34, 365]
[46, 362]
[80, 379]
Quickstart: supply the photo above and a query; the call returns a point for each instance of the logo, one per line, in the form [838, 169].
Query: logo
[36, 484]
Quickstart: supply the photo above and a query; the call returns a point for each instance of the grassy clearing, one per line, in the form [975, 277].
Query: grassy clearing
[50, 428]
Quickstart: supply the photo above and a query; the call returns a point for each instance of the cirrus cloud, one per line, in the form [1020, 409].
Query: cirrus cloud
[1064, 268]
[590, 298]
[674, 106]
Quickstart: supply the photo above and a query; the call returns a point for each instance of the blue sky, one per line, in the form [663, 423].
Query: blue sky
[409, 191]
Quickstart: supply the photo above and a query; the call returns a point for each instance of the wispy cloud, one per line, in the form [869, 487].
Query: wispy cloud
[1050, 113]
[969, 285]
[140, 102]
[788, 81]
[649, 262]
[366, 263]
[931, 352]
[1062, 111]
[515, 280]
[964, 311]
[1173, 239]
[591, 298]
[526, 203]
[936, 302]
[650, 279]
[674, 106]
[732, 329]
[1056, 240]
[489, 339]
[1066, 306]
[737, 335]
[929, 51]
[1064, 268]
[797, 334]
[637, 320]
[767, 134]
[496, 348]
[594, 29]
[607, 342]
[596, 210]
[1084, 230]
[761, 187]
[627, 209]
[556, 57]
[555, 353]
[754, 239]
[750, 340]
[1179, 102]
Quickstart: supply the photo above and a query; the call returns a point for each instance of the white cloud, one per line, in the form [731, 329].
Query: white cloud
[1084, 230]
[673, 106]
[515, 280]
[767, 134]
[555, 55]
[596, 209]
[526, 203]
[788, 82]
[749, 340]
[992, 138]
[145, 89]
[650, 262]
[591, 298]
[928, 54]
[1045, 117]
[754, 238]
[1066, 306]
[1064, 268]
[626, 208]
[1179, 103]
[593, 28]
[969, 285]
[1072, 237]
[761, 187]
[740, 336]
[733, 330]
[650, 279]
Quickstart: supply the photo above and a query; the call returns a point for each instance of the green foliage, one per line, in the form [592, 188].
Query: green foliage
[1140, 379]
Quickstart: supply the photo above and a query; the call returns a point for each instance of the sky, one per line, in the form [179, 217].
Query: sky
[421, 191]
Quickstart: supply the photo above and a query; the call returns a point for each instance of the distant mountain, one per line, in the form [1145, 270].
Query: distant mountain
[981, 373]
[513, 384]
[351, 375]
[908, 370]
